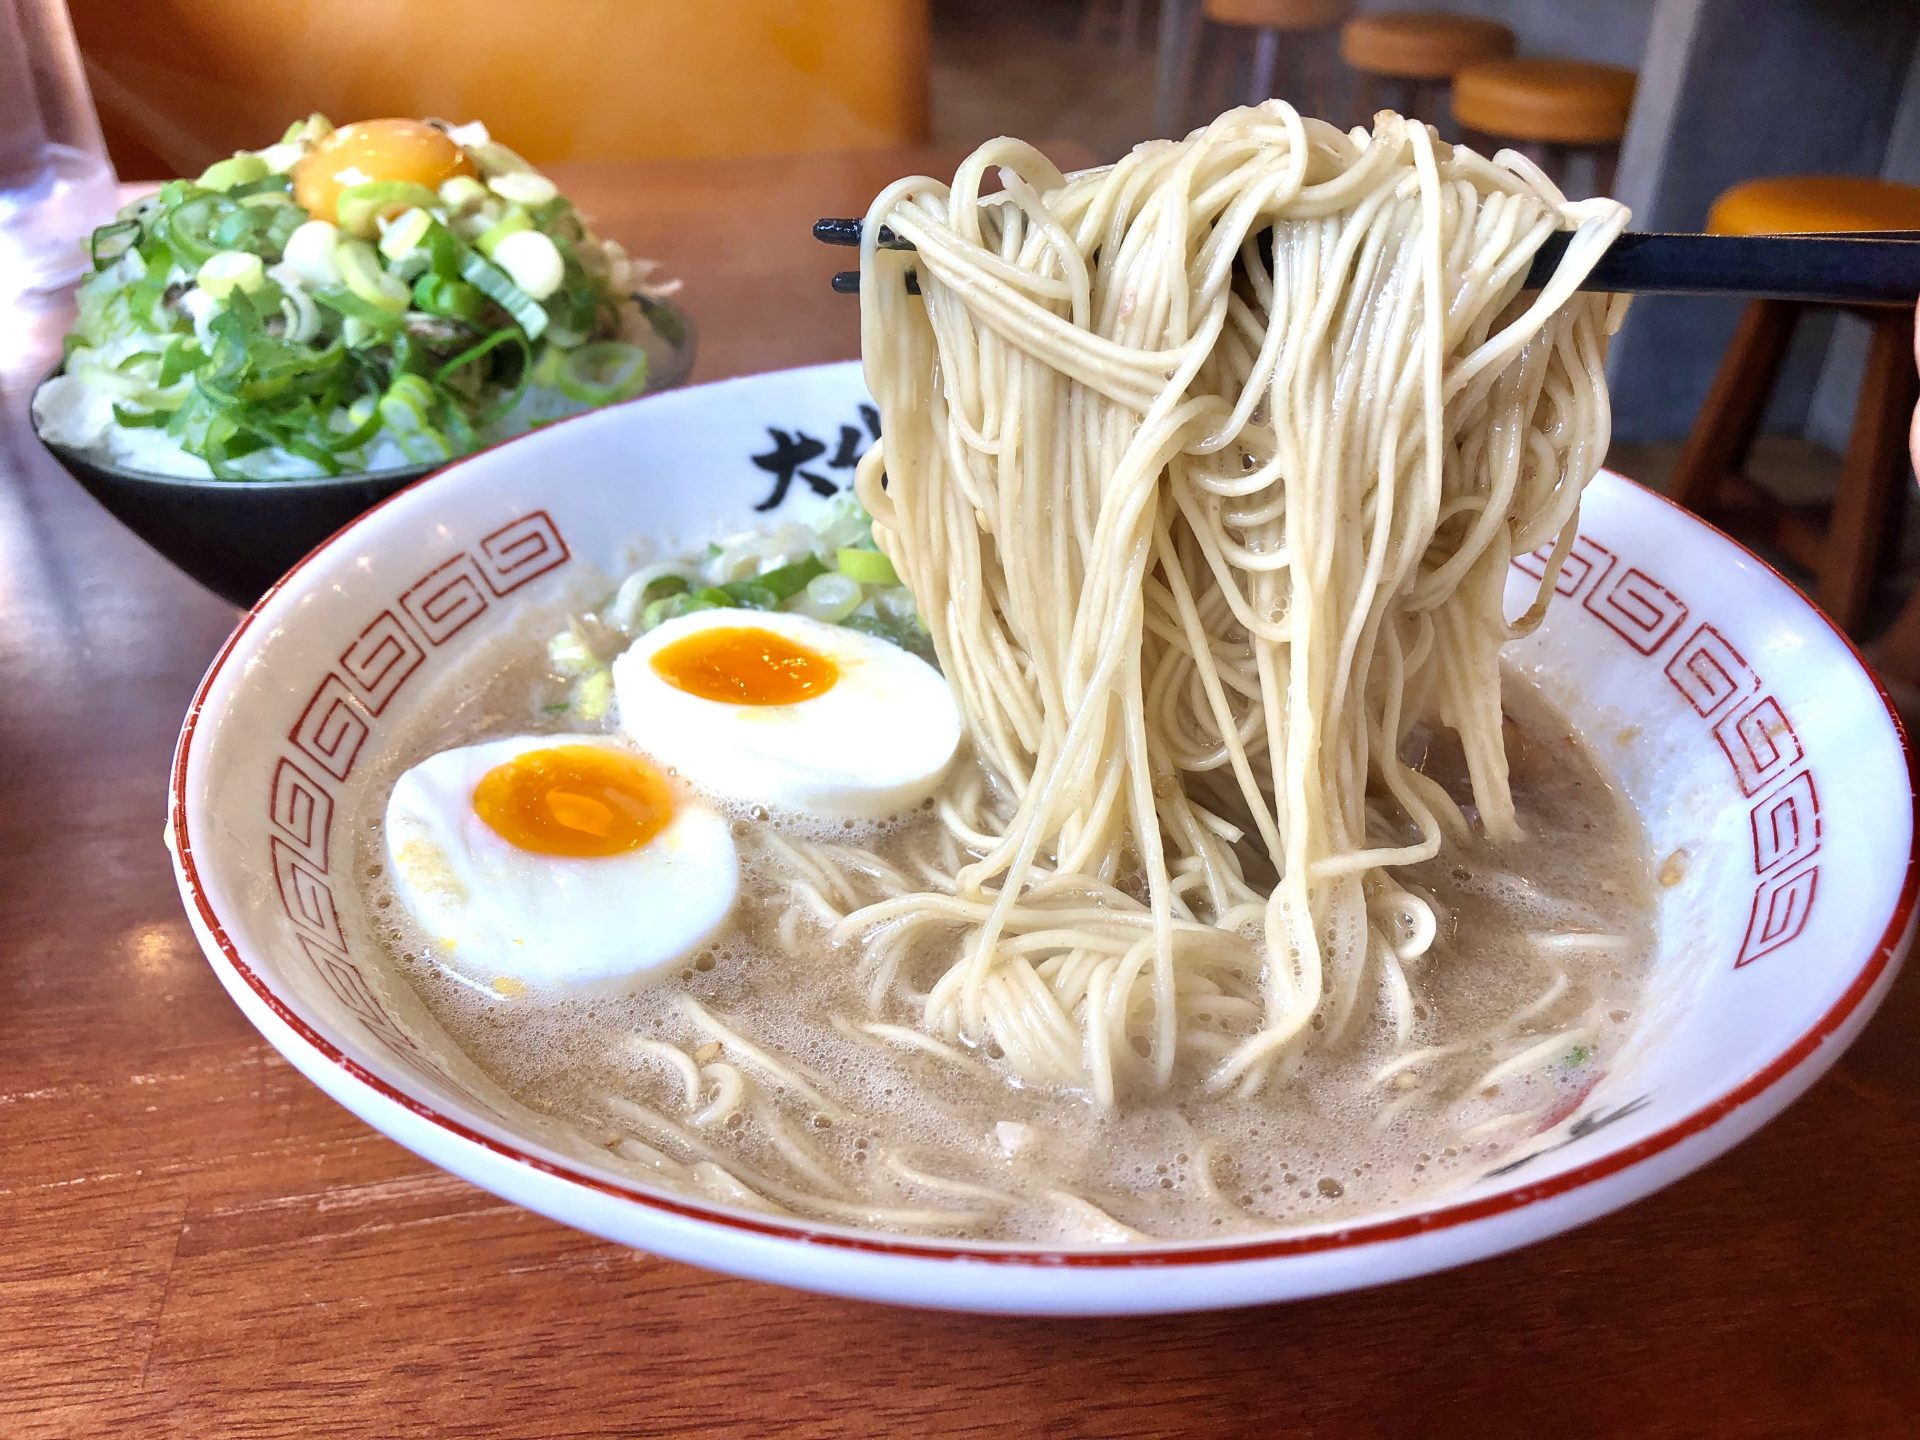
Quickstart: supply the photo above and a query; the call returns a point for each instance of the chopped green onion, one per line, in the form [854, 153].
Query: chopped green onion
[533, 262]
[603, 372]
[594, 695]
[462, 191]
[450, 299]
[140, 419]
[493, 158]
[110, 242]
[361, 271]
[662, 586]
[513, 387]
[869, 567]
[830, 597]
[568, 654]
[302, 316]
[491, 281]
[749, 595]
[315, 127]
[524, 187]
[407, 410]
[377, 322]
[895, 603]
[269, 194]
[229, 270]
[190, 228]
[511, 223]
[790, 580]
[404, 235]
[672, 607]
[181, 357]
[911, 638]
[236, 170]
[360, 206]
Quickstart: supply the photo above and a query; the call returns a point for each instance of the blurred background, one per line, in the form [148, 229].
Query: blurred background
[1676, 106]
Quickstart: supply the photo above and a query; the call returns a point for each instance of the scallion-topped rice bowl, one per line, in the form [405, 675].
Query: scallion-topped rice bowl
[345, 301]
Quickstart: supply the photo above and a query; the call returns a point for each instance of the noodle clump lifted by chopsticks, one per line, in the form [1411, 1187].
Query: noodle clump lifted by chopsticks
[1205, 471]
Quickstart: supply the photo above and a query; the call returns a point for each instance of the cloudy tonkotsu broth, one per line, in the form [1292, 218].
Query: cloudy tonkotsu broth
[874, 1123]
[1202, 476]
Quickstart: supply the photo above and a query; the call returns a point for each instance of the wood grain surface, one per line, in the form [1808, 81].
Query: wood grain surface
[194, 1242]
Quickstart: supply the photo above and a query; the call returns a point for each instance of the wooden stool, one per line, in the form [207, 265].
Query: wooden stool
[1848, 551]
[1269, 19]
[1414, 54]
[1120, 18]
[1553, 107]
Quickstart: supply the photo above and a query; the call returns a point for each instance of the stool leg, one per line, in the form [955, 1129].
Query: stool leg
[1266, 59]
[1896, 654]
[1867, 509]
[1723, 431]
[1093, 20]
[1423, 101]
[1606, 162]
[1366, 98]
[1173, 65]
[1553, 160]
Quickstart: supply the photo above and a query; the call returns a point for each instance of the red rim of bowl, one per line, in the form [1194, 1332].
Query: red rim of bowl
[1201, 1253]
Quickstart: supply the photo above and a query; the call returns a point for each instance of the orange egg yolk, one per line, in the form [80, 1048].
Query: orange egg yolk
[576, 800]
[402, 150]
[743, 665]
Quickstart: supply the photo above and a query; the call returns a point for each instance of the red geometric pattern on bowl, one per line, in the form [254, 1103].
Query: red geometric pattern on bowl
[302, 810]
[1587, 561]
[1638, 608]
[1763, 752]
[519, 551]
[447, 599]
[380, 661]
[333, 729]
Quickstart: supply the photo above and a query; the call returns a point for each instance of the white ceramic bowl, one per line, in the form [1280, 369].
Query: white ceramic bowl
[1743, 727]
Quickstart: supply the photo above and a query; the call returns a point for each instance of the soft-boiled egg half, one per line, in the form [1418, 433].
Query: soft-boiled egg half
[557, 861]
[782, 710]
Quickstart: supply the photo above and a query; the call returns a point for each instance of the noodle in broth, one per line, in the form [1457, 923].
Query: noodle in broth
[1199, 537]
[1252, 901]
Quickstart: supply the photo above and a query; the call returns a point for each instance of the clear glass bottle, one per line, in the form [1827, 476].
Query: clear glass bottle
[56, 183]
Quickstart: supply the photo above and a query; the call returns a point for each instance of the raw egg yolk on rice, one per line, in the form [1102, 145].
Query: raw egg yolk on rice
[407, 151]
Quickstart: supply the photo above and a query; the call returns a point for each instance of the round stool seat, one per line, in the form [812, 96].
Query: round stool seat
[1421, 44]
[1789, 203]
[1555, 102]
[1276, 14]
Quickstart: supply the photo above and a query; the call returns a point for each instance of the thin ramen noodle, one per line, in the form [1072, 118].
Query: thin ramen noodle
[1207, 471]
[1249, 899]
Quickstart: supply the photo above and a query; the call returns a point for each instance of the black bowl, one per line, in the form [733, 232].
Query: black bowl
[237, 537]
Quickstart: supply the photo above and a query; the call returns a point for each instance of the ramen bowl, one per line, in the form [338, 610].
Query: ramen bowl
[1766, 766]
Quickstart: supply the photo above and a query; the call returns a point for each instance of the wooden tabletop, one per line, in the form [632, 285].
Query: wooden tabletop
[195, 1242]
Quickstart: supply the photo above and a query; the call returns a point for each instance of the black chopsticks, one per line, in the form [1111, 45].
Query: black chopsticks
[1870, 267]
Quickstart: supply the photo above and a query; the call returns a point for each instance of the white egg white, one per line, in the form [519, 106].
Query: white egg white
[872, 746]
[492, 909]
